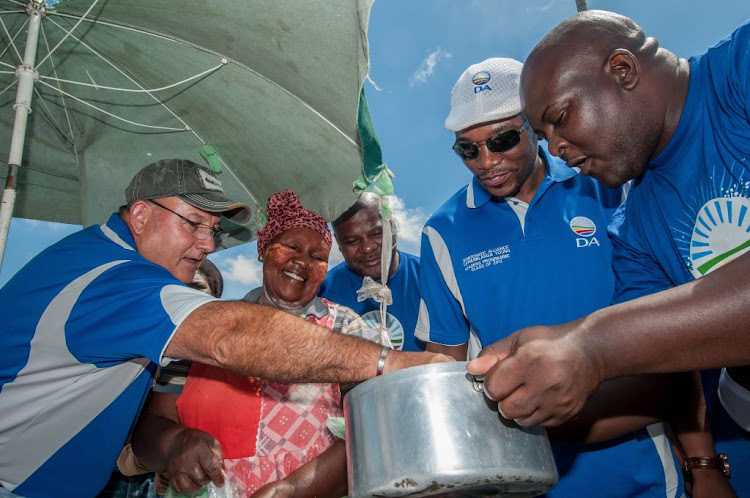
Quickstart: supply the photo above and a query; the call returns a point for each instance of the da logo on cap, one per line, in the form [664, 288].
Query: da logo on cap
[481, 78]
[480, 81]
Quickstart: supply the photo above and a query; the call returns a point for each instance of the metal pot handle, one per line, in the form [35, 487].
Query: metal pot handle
[477, 382]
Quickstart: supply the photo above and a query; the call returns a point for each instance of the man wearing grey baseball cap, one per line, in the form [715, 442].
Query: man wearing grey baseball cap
[87, 322]
[525, 243]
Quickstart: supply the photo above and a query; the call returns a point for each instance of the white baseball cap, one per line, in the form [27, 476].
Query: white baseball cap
[487, 91]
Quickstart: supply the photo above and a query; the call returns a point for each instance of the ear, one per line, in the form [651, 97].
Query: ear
[140, 214]
[623, 65]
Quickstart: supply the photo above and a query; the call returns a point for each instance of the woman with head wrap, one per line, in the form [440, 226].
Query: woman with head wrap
[269, 431]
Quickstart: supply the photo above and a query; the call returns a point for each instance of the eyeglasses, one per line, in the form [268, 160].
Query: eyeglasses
[199, 231]
[502, 142]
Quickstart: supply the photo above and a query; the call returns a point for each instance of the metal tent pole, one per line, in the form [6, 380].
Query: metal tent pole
[581, 5]
[26, 75]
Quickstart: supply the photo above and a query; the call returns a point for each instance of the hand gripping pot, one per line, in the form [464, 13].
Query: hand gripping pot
[430, 431]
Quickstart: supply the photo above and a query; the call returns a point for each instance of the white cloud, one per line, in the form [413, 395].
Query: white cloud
[427, 67]
[242, 269]
[410, 223]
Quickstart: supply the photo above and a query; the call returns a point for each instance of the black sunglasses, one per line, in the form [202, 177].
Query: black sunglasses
[502, 142]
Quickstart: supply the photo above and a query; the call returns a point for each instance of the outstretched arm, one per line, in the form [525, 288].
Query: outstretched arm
[189, 458]
[260, 341]
[322, 477]
[543, 375]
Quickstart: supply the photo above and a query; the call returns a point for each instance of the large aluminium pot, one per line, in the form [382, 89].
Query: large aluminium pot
[429, 430]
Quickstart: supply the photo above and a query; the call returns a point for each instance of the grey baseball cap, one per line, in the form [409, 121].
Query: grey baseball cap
[189, 181]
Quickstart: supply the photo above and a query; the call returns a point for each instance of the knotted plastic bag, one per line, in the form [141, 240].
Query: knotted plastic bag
[211, 490]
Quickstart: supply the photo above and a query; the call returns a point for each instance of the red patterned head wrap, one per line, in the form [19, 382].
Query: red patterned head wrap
[285, 212]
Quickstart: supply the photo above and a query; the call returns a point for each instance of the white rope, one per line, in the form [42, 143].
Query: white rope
[142, 125]
[67, 34]
[12, 39]
[135, 90]
[385, 267]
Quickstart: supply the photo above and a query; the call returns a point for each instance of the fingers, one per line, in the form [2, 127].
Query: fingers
[196, 459]
[490, 356]
[482, 364]
[185, 484]
[502, 379]
[214, 466]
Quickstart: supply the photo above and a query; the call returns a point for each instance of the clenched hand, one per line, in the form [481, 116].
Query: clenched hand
[194, 460]
[539, 375]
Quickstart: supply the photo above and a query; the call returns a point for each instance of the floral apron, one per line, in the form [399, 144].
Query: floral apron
[266, 429]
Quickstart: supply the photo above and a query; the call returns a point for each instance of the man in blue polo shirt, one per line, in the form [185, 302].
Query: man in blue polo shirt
[359, 234]
[612, 101]
[524, 243]
[86, 322]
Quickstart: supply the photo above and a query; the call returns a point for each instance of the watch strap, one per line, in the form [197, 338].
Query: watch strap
[719, 462]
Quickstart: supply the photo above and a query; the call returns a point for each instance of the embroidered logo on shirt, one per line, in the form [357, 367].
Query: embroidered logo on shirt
[483, 259]
[721, 234]
[585, 229]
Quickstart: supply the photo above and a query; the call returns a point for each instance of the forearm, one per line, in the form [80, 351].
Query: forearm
[325, 476]
[701, 324]
[690, 420]
[458, 353]
[263, 342]
[617, 408]
[152, 439]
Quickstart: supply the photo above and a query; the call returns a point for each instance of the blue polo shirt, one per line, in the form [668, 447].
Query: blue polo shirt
[84, 325]
[690, 211]
[492, 266]
[341, 286]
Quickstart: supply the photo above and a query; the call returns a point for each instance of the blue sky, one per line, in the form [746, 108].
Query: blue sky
[418, 48]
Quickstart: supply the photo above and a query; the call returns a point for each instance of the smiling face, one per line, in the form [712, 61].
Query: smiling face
[165, 239]
[503, 174]
[294, 265]
[360, 240]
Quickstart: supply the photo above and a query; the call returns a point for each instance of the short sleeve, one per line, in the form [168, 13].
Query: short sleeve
[441, 319]
[636, 272]
[129, 311]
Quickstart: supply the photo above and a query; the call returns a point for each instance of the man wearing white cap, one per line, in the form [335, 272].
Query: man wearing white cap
[525, 243]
